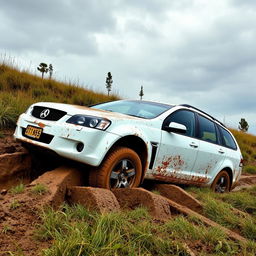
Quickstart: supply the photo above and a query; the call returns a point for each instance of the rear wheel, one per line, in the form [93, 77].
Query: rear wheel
[221, 183]
[121, 169]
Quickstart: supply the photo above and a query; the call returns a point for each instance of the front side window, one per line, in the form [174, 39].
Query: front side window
[227, 139]
[184, 117]
[207, 131]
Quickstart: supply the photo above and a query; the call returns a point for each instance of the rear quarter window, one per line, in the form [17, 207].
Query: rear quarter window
[227, 139]
[207, 131]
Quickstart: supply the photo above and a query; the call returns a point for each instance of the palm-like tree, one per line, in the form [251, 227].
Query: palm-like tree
[43, 68]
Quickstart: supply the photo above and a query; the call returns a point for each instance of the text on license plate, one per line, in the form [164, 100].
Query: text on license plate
[33, 132]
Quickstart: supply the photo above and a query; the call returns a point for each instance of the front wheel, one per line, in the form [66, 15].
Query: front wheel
[121, 169]
[221, 183]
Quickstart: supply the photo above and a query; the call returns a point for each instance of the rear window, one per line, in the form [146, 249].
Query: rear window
[227, 139]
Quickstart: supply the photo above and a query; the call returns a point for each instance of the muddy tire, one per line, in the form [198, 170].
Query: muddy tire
[221, 183]
[121, 169]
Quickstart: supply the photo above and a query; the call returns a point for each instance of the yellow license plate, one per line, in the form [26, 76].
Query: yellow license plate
[33, 132]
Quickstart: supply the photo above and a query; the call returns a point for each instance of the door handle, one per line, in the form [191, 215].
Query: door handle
[193, 145]
[221, 151]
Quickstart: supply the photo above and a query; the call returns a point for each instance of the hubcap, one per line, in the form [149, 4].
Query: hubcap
[123, 174]
[221, 185]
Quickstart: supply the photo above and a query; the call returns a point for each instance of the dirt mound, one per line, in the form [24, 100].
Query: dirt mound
[130, 198]
[96, 199]
[245, 181]
[18, 218]
[8, 144]
[19, 213]
[14, 168]
[180, 196]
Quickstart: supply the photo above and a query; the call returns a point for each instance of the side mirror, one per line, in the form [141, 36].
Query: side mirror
[175, 127]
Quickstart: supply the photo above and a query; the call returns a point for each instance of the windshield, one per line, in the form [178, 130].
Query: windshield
[141, 109]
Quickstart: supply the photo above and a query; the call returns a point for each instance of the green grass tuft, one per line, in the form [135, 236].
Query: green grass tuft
[39, 189]
[251, 169]
[18, 189]
[15, 204]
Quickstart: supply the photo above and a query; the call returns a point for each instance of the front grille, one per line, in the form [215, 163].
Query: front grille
[44, 138]
[51, 114]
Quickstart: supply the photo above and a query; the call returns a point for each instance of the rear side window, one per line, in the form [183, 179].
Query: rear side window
[227, 139]
[207, 131]
[184, 117]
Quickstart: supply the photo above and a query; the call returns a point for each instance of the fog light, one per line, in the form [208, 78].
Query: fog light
[80, 147]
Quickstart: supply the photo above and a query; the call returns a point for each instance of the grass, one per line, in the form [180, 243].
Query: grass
[251, 169]
[39, 189]
[247, 144]
[15, 204]
[6, 229]
[243, 200]
[17, 189]
[76, 231]
[221, 208]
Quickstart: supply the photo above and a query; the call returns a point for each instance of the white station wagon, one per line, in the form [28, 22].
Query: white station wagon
[127, 141]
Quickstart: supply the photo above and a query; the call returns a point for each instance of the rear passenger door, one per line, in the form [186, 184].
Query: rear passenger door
[210, 153]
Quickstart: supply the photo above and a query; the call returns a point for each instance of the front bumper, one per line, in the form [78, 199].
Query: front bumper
[64, 138]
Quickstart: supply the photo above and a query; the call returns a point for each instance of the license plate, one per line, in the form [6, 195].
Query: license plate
[33, 132]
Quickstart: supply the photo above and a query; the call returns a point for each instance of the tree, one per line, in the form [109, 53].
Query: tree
[43, 68]
[243, 125]
[141, 94]
[50, 71]
[109, 82]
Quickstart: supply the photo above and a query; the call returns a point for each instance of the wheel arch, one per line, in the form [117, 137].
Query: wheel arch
[138, 145]
[230, 173]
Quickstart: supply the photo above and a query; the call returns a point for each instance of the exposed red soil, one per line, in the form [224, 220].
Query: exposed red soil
[180, 196]
[17, 225]
[8, 143]
[95, 199]
[129, 198]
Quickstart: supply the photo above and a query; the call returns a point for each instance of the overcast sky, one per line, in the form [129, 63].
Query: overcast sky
[182, 51]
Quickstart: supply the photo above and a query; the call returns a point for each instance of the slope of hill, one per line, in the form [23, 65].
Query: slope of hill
[247, 144]
[21, 89]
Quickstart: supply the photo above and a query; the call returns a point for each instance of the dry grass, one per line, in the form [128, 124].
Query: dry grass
[247, 144]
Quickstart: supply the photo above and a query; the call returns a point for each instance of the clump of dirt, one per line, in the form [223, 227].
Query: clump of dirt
[19, 215]
[246, 181]
[95, 199]
[131, 198]
[8, 143]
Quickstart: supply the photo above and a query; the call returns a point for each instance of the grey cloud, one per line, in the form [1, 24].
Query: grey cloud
[54, 26]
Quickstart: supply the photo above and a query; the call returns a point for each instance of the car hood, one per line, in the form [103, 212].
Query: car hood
[76, 110]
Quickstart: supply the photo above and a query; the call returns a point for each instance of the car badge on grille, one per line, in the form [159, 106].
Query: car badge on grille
[45, 113]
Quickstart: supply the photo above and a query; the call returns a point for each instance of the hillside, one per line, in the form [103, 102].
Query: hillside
[247, 144]
[20, 89]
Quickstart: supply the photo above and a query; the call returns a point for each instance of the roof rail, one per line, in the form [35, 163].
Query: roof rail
[189, 106]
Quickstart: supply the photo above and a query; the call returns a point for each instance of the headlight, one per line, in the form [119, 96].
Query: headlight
[89, 121]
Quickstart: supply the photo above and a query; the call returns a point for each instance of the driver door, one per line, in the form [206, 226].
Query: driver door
[177, 151]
